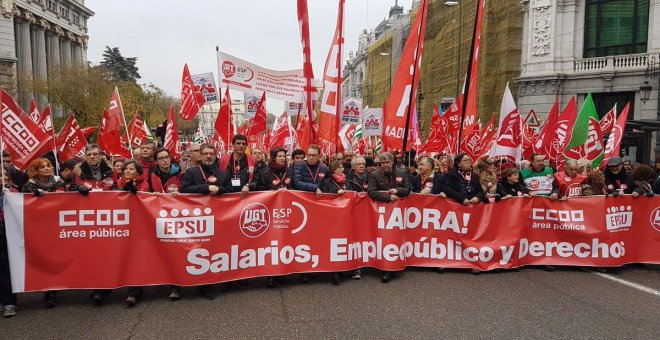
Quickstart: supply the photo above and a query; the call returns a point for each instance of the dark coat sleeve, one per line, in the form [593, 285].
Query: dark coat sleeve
[188, 183]
[451, 188]
[405, 188]
[374, 192]
[438, 182]
[224, 181]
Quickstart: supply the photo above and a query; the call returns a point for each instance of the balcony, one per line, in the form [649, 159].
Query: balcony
[617, 63]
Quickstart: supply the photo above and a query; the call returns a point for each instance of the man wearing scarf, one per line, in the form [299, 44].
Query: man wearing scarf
[95, 174]
[388, 185]
[358, 177]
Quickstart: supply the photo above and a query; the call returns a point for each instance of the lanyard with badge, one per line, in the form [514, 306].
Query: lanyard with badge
[210, 180]
[236, 181]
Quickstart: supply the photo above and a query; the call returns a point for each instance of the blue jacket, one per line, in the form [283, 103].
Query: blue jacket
[302, 176]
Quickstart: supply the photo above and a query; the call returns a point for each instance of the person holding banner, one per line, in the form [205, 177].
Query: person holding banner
[95, 174]
[617, 180]
[8, 300]
[335, 184]
[147, 150]
[238, 165]
[205, 179]
[510, 186]
[570, 181]
[427, 182]
[462, 184]
[131, 179]
[165, 176]
[540, 179]
[388, 184]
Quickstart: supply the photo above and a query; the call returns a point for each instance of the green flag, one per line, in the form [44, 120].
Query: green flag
[587, 137]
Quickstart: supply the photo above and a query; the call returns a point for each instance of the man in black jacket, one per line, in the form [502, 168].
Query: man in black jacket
[617, 180]
[205, 179]
[388, 185]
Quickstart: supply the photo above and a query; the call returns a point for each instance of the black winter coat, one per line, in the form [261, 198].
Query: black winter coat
[622, 180]
[380, 182]
[459, 189]
[437, 182]
[505, 188]
[357, 183]
[194, 181]
[266, 179]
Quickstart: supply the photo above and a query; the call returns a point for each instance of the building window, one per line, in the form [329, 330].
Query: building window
[76, 19]
[614, 27]
[52, 5]
[605, 101]
[64, 12]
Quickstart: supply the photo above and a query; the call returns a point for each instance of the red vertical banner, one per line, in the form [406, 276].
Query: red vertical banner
[613, 146]
[191, 97]
[470, 114]
[308, 71]
[223, 124]
[171, 141]
[397, 113]
[331, 105]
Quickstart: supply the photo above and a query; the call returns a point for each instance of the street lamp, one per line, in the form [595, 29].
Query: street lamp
[458, 43]
[652, 69]
[389, 80]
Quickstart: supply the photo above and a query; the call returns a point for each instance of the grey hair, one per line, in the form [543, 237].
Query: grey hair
[571, 162]
[92, 147]
[357, 159]
[387, 155]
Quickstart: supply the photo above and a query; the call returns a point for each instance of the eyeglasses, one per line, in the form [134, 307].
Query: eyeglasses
[92, 154]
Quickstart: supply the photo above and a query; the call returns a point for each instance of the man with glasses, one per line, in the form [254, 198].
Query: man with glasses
[388, 184]
[95, 174]
[165, 176]
[308, 175]
[194, 157]
[206, 179]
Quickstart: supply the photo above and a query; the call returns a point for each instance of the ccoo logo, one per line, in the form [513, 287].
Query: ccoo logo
[255, 220]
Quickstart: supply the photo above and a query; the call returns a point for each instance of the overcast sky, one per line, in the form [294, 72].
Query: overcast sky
[166, 34]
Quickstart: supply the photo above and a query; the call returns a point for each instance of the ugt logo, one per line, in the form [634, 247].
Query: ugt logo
[655, 219]
[255, 220]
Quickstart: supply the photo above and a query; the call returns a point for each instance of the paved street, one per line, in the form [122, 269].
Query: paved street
[532, 303]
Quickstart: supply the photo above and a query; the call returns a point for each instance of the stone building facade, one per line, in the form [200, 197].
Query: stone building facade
[606, 48]
[36, 38]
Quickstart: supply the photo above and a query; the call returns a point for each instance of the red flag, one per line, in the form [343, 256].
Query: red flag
[509, 139]
[399, 105]
[191, 97]
[487, 137]
[87, 131]
[171, 141]
[308, 72]
[613, 146]
[470, 107]
[280, 132]
[223, 125]
[305, 133]
[115, 117]
[109, 139]
[21, 136]
[436, 140]
[529, 139]
[453, 115]
[258, 123]
[34, 111]
[73, 141]
[331, 104]
[136, 131]
[543, 144]
[46, 121]
[563, 132]
[607, 122]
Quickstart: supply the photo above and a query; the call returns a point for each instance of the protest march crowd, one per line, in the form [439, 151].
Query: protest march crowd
[385, 177]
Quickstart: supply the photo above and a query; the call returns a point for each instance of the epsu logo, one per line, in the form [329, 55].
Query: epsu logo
[177, 224]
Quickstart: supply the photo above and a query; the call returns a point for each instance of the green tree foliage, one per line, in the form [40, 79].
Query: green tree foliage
[119, 68]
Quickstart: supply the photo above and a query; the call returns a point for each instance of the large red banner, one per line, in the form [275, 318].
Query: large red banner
[114, 239]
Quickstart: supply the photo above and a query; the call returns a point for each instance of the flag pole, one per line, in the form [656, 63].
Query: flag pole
[57, 162]
[123, 116]
[410, 100]
[2, 160]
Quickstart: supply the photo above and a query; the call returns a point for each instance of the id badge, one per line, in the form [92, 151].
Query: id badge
[236, 182]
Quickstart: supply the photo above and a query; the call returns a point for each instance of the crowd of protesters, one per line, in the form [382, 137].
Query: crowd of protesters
[386, 177]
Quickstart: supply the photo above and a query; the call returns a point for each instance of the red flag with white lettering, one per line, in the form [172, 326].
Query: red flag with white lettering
[453, 115]
[21, 136]
[87, 131]
[563, 132]
[258, 123]
[436, 140]
[136, 131]
[608, 120]
[399, 106]
[509, 139]
[331, 104]
[115, 117]
[488, 135]
[191, 97]
[543, 144]
[613, 146]
[71, 140]
[109, 139]
[471, 116]
[308, 71]
[34, 111]
[171, 141]
[223, 124]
